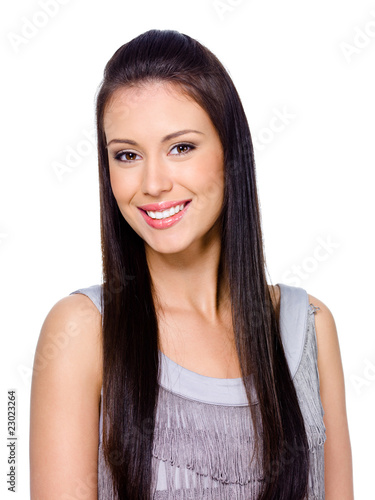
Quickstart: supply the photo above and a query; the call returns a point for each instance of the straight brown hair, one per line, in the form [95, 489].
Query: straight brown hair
[130, 328]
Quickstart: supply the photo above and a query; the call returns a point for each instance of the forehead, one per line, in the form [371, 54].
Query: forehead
[153, 108]
[131, 97]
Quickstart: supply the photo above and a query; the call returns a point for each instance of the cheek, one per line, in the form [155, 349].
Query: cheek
[208, 185]
[121, 189]
[214, 180]
[121, 185]
[215, 185]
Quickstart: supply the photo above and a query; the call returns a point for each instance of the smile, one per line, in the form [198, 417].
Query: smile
[166, 213]
[166, 218]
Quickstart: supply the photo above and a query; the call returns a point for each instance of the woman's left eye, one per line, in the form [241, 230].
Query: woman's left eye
[182, 149]
[125, 156]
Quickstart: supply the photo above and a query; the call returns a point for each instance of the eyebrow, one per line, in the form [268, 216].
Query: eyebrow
[166, 138]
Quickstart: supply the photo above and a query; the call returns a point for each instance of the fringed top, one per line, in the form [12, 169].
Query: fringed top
[204, 436]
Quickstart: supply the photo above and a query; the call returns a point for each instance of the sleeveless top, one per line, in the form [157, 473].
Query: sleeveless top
[203, 438]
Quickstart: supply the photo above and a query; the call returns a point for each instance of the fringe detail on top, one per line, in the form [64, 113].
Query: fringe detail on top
[205, 444]
[203, 451]
[306, 382]
[206, 449]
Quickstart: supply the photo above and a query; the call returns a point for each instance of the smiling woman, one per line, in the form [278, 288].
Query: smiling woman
[188, 174]
[188, 376]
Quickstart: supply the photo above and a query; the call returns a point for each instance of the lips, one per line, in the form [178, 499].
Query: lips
[164, 205]
[167, 222]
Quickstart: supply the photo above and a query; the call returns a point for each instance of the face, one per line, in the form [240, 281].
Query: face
[164, 153]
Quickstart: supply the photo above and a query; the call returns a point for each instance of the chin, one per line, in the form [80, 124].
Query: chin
[168, 246]
[167, 249]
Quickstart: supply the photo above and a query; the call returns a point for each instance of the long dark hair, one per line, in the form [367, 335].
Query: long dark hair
[130, 327]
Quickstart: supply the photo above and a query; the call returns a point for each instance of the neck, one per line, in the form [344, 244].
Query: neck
[189, 280]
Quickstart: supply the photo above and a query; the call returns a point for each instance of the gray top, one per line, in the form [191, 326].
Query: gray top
[203, 432]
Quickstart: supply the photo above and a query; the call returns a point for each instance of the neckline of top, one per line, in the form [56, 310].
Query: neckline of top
[228, 381]
[191, 385]
[294, 313]
[231, 381]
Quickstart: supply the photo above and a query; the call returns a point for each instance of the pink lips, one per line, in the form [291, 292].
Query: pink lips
[168, 221]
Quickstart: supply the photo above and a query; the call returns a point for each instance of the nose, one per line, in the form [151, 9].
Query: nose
[156, 177]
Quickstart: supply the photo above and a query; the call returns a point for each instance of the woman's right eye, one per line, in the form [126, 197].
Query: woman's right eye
[125, 156]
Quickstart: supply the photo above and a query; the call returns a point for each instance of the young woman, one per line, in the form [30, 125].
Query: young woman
[185, 374]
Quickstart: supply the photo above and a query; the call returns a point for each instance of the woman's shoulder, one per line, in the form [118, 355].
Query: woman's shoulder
[65, 396]
[325, 328]
[72, 334]
[337, 456]
[298, 297]
[77, 314]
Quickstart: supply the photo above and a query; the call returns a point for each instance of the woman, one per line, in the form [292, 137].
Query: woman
[191, 375]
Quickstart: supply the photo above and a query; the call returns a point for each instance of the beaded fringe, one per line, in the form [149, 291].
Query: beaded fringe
[203, 451]
[204, 446]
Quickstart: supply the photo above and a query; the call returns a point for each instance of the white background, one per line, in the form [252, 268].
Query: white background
[310, 61]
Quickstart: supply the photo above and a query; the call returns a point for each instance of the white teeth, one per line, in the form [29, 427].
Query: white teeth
[165, 213]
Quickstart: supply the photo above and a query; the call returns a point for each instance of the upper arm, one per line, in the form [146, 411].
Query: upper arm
[337, 449]
[65, 396]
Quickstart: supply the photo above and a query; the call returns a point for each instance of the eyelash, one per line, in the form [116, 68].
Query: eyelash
[118, 155]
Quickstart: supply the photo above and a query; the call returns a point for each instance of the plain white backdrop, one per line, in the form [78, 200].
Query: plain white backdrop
[306, 76]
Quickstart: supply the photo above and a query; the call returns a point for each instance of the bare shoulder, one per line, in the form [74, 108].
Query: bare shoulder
[65, 397]
[337, 448]
[329, 358]
[74, 327]
[326, 335]
[324, 320]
